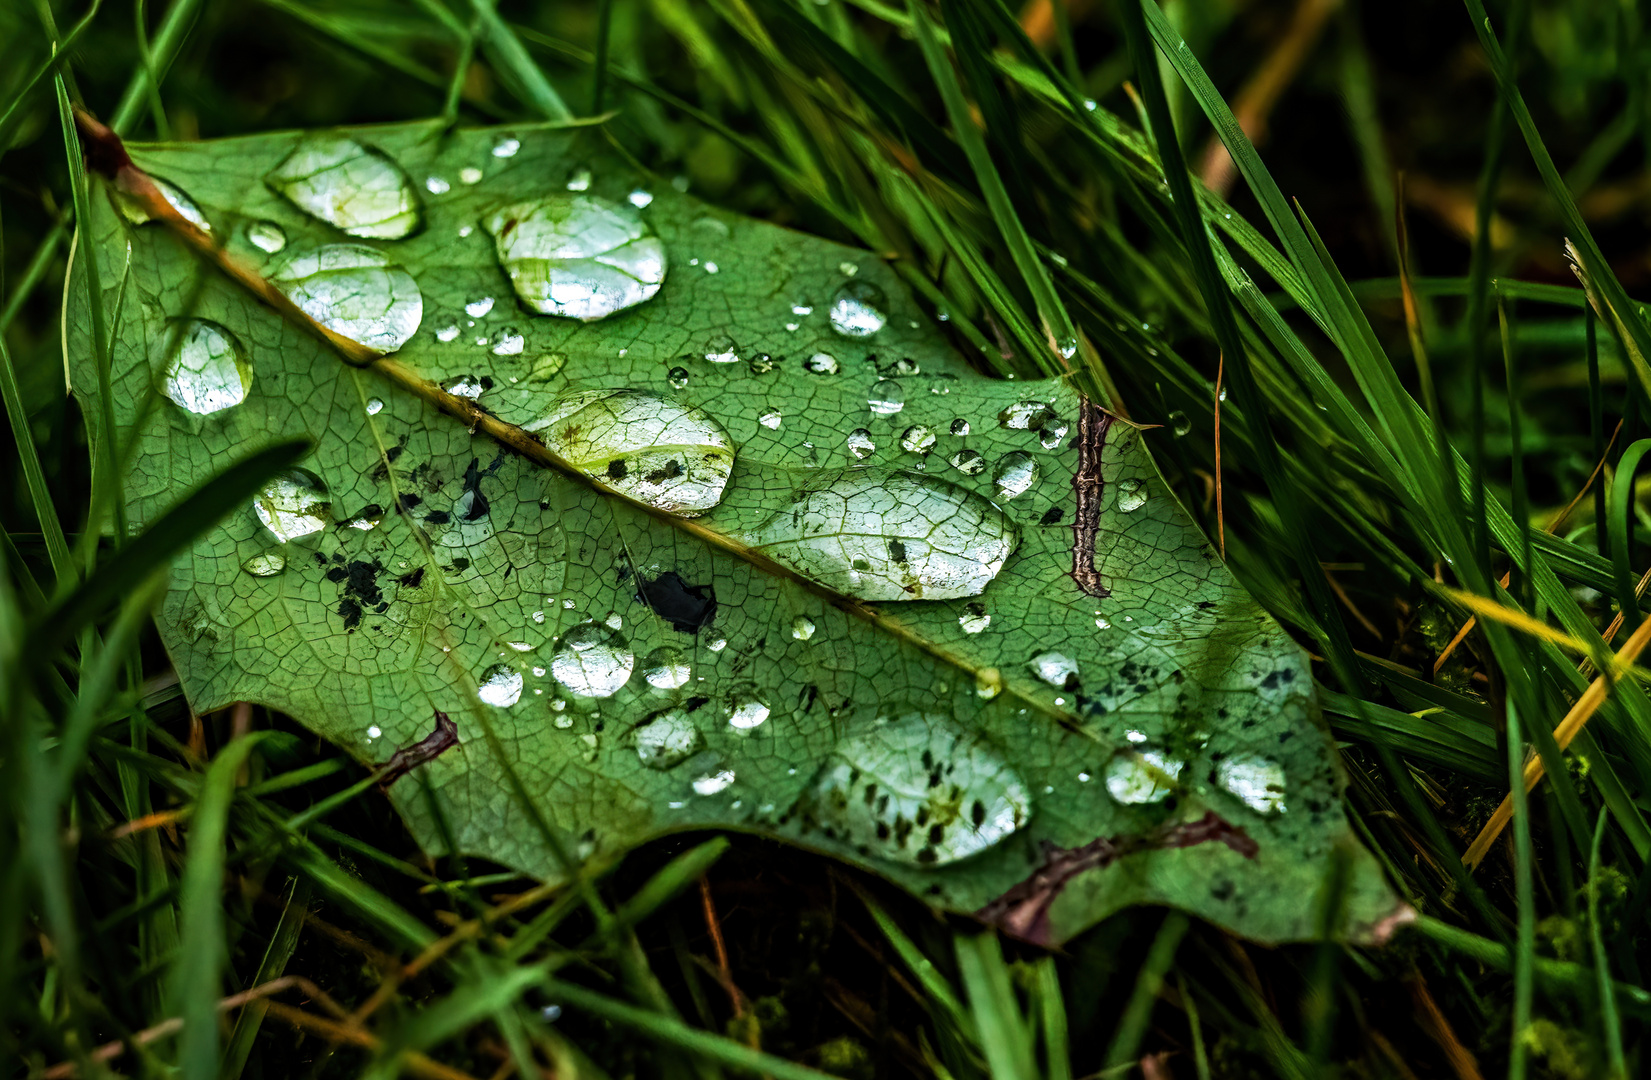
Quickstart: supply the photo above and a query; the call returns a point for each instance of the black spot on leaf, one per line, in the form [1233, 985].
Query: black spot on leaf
[689, 608]
[617, 469]
[1052, 516]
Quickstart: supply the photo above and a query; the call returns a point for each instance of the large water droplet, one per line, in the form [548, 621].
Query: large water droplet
[886, 398]
[1135, 777]
[209, 373]
[860, 443]
[180, 201]
[350, 186]
[666, 669]
[293, 504]
[858, 309]
[917, 439]
[500, 686]
[744, 709]
[667, 739]
[1016, 472]
[592, 661]
[266, 564]
[1055, 668]
[266, 236]
[356, 292]
[917, 790]
[1257, 781]
[880, 534]
[651, 448]
[578, 256]
[1132, 495]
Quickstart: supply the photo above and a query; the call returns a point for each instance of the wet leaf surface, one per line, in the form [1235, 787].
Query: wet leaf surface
[1059, 705]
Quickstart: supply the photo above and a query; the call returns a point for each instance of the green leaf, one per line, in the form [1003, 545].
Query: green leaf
[1110, 721]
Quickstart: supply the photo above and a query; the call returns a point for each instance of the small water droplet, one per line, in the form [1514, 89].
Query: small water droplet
[356, 292]
[654, 449]
[500, 686]
[974, 618]
[1256, 781]
[592, 661]
[510, 342]
[293, 504]
[988, 683]
[448, 333]
[266, 564]
[469, 387]
[1067, 347]
[716, 642]
[578, 256]
[1015, 474]
[722, 350]
[1052, 432]
[860, 443]
[1138, 777]
[266, 236]
[770, 420]
[613, 620]
[436, 185]
[711, 267]
[743, 709]
[858, 309]
[918, 790]
[969, 462]
[1102, 623]
[1055, 668]
[579, 181]
[802, 310]
[176, 197]
[960, 427]
[355, 188]
[209, 373]
[847, 269]
[479, 307]
[640, 198]
[667, 739]
[1132, 495]
[713, 782]
[506, 146]
[470, 175]
[822, 363]
[678, 378]
[1024, 416]
[886, 398]
[802, 628]
[666, 669]
[1223, 395]
[1179, 423]
[374, 406]
[917, 439]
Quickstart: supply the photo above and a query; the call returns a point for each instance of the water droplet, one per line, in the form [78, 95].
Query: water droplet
[974, 618]
[479, 307]
[722, 350]
[578, 256]
[711, 267]
[465, 230]
[666, 669]
[1258, 782]
[919, 790]
[988, 683]
[1067, 347]
[771, 419]
[960, 427]
[1102, 623]
[743, 709]
[1223, 395]
[802, 628]
[469, 387]
[640, 199]
[1136, 777]
[881, 534]
[293, 504]
[1052, 432]
[266, 236]
[917, 439]
[1179, 423]
[356, 292]
[179, 200]
[436, 185]
[678, 378]
[352, 187]
[858, 309]
[500, 686]
[209, 373]
[266, 564]
[667, 739]
[847, 269]
[712, 782]
[614, 620]
[1132, 495]
[579, 180]
[802, 310]
[822, 363]
[1056, 669]
[592, 661]
[1016, 472]
[716, 642]
[470, 175]
[447, 333]
[1024, 416]
[969, 462]
[374, 406]
[860, 444]
[506, 146]
[510, 342]
[651, 448]
[886, 398]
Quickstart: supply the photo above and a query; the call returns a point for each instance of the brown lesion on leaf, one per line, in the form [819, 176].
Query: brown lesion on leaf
[1088, 486]
[1023, 911]
[427, 749]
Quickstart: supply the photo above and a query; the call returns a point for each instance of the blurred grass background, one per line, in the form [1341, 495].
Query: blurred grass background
[996, 157]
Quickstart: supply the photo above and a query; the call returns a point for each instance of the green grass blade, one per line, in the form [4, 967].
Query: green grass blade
[1149, 981]
[40, 496]
[510, 59]
[1602, 961]
[1524, 901]
[1002, 1031]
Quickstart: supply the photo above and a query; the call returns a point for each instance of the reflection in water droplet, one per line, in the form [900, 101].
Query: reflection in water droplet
[479, 307]
[510, 342]
[743, 709]
[266, 236]
[208, 374]
[578, 256]
[1179, 423]
[592, 661]
[917, 790]
[886, 398]
[667, 739]
[802, 628]
[1016, 472]
[1052, 432]
[640, 199]
[651, 448]
[374, 406]
[505, 146]
[770, 420]
[860, 444]
[500, 686]
[666, 669]
[917, 439]
[1145, 776]
[822, 363]
[880, 534]
[713, 782]
[1132, 495]
[266, 564]
[960, 427]
[356, 292]
[1257, 781]
[1024, 416]
[858, 309]
[137, 214]
[974, 618]
[969, 462]
[1056, 669]
[678, 378]
[293, 504]
[350, 186]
